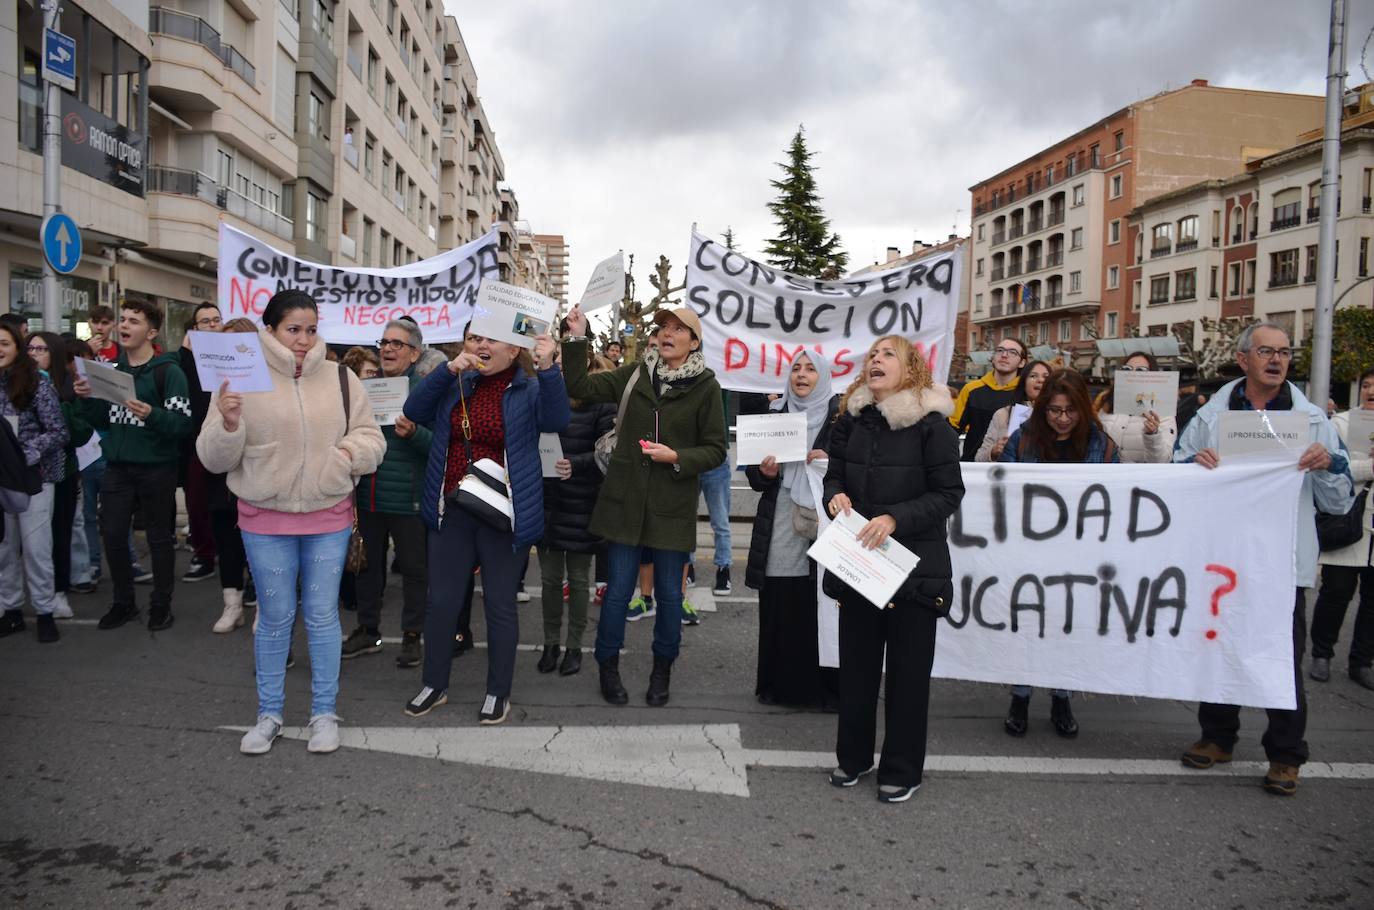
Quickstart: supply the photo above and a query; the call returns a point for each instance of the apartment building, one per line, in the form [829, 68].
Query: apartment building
[1051, 247]
[962, 338]
[1257, 254]
[554, 250]
[322, 128]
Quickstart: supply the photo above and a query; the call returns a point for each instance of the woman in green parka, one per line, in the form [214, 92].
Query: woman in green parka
[671, 430]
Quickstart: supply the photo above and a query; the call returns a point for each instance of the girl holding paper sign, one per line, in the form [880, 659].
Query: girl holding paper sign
[789, 671]
[895, 458]
[1142, 438]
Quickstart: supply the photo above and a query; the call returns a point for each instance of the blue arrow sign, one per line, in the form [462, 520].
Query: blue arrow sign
[61, 242]
[59, 59]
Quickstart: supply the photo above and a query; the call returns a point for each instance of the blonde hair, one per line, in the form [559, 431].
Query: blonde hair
[241, 324]
[356, 356]
[915, 370]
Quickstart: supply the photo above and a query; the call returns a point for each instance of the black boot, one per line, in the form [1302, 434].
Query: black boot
[572, 662]
[611, 688]
[548, 661]
[11, 622]
[659, 678]
[1015, 723]
[1061, 715]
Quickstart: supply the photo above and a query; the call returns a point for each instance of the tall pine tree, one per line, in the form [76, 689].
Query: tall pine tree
[804, 245]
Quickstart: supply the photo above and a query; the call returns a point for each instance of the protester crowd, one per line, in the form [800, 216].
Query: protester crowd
[299, 503]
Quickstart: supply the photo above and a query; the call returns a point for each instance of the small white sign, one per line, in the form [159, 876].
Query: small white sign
[550, 453]
[1359, 437]
[388, 396]
[607, 284]
[107, 382]
[232, 357]
[781, 435]
[89, 453]
[1244, 432]
[1134, 392]
[1020, 413]
[876, 574]
[517, 316]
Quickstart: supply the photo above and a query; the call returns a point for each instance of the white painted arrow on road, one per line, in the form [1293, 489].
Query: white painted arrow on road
[709, 758]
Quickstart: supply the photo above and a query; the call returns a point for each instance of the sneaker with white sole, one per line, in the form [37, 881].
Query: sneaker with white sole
[842, 778]
[521, 596]
[690, 616]
[494, 711]
[324, 733]
[60, 608]
[141, 575]
[640, 608]
[258, 740]
[427, 700]
[894, 793]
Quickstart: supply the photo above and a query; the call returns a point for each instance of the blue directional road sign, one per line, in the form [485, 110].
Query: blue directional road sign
[59, 59]
[61, 242]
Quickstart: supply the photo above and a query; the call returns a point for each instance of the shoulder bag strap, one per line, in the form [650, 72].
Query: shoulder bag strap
[343, 391]
[625, 398]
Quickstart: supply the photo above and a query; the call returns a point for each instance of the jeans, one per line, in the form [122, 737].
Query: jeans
[91, 480]
[279, 562]
[1284, 741]
[715, 487]
[1338, 587]
[455, 550]
[31, 532]
[579, 568]
[408, 533]
[151, 488]
[81, 572]
[622, 570]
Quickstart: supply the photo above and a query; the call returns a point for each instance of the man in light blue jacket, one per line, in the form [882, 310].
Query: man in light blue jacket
[1264, 353]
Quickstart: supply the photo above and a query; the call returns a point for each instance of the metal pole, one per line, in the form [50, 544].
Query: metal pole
[1319, 386]
[52, 179]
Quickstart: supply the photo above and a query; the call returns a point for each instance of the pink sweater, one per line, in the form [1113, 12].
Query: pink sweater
[338, 517]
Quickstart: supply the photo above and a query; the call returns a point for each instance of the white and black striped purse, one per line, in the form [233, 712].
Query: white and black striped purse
[484, 491]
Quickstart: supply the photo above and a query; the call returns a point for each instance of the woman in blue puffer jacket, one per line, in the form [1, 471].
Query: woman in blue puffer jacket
[491, 401]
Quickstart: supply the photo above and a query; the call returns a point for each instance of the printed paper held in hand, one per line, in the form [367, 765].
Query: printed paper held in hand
[1135, 392]
[233, 357]
[1359, 437]
[876, 574]
[781, 435]
[550, 453]
[1020, 413]
[517, 316]
[107, 383]
[1248, 432]
[90, 453]
[607, 284]
[388, 396]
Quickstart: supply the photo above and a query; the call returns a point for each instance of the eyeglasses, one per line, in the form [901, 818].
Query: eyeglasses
[1135, 369]
[998, 352]
[37, 349]
[1061, 412]
[209, 322]
[1267, 353]
[385, 343]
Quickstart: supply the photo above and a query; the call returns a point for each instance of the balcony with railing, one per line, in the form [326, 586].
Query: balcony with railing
[1185, 246]
[176, 24]
[1185, 295]
[1056, 218]
[1054, 299]
[999, 237]
[1156, 301]
[350, 154]
[184, 182]
[1016, 231]
[1162, 250]
[1013, 270]
[1280, 224]
[1034, 225]
[1033, 264]
[995, 311]
[998, 274]
[1365, 204]
[1054, 259]
[1284, 280]
[355, 64]
[348, 247]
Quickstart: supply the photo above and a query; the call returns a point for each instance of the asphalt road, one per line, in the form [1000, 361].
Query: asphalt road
[124, 789]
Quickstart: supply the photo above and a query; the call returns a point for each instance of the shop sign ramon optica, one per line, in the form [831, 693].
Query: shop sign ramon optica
[101, 148]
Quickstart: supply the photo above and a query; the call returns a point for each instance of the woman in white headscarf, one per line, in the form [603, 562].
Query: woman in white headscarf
[789, 670]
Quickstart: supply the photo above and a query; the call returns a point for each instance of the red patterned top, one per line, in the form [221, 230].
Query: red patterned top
[488, 430]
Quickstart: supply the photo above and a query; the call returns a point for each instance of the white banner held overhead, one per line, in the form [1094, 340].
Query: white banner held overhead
[755, 318]
[607, 284]
[356, 303]
[1162, 581]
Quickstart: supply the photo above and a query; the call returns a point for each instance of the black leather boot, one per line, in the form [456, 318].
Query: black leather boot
[1015, 724]
[611, 688]
[1061, 715]
[548, 661]
[659, 678]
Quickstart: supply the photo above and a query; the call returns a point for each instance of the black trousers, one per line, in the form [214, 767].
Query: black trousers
[151, 490]
[1338, 587]
[455, 550]
[908, 634]
[224, 528]
[63, 517]
[1283, 741]
[408, 533]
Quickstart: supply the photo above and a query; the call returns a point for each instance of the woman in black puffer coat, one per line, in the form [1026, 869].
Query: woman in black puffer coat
[568, 545]
[894, 459]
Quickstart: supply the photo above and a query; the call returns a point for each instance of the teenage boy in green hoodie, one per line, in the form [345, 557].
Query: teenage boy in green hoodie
[140, 442]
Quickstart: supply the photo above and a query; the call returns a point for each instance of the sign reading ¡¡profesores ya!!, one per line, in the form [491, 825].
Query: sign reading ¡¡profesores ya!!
[356, 303]
[755, 318]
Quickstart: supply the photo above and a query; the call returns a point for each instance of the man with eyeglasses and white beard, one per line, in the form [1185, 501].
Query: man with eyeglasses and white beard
[983, 397]
[1264, 353]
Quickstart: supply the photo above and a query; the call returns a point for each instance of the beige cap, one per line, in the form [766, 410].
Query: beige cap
[683, 315]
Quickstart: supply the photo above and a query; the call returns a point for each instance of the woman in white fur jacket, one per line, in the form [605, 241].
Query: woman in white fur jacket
[1347, 567]
[1145, 438]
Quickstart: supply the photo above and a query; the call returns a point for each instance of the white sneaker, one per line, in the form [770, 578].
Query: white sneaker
[60, 608]
[232, 617]
[258, 740]
[324, 733]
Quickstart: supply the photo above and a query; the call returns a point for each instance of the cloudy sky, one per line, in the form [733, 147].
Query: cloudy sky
[623, 122]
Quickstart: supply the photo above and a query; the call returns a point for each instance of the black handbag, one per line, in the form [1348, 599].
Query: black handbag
[933, 594]
[1335, 532]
